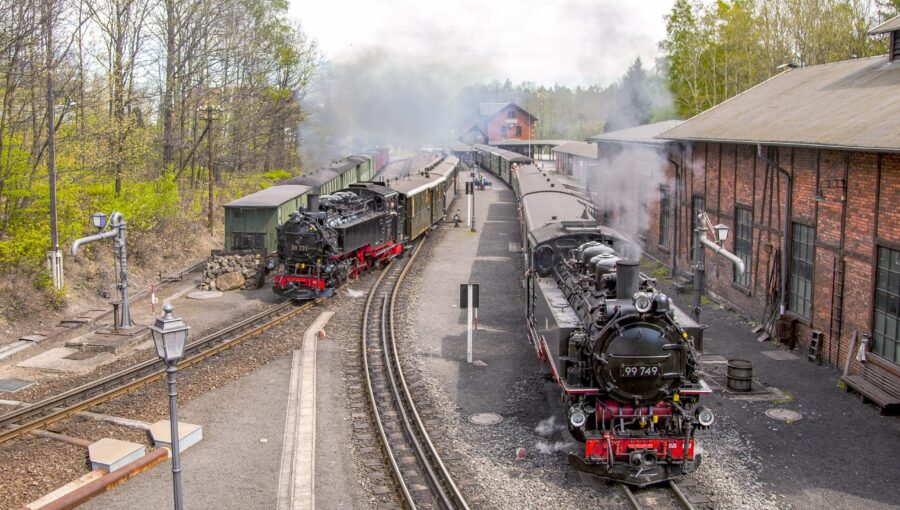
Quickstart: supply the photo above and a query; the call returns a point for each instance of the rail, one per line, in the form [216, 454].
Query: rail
[683, 502]
[58, 407]
[444, 491]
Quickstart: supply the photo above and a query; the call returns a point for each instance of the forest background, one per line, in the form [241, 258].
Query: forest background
[141, 88]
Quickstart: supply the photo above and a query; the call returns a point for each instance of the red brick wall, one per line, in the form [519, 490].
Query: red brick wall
[847, 230]
[500, 119]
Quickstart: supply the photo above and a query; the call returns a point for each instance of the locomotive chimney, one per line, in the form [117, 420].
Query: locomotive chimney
[312, 200]
[627, 276]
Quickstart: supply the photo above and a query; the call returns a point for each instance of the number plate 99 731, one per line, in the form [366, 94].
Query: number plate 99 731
[640, 370]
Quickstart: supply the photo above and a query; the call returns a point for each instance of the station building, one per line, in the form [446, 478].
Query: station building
[805, 170]
[500, 121]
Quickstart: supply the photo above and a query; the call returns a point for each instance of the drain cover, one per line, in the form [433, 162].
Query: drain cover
[14, 385]
[485, 418]
[782, 414]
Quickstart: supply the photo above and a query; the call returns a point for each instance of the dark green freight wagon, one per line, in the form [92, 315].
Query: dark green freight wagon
[250, 221]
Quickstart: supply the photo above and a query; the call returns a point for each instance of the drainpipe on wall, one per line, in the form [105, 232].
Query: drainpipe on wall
[787, 223]
[677, 214]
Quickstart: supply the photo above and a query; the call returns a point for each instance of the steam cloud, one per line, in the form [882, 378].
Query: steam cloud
[378, 98]
[626, 182]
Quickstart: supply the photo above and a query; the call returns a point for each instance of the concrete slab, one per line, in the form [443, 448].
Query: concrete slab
[189, 434]
[205, 294]
[14, 385]
[109, 340]
[111, 454]
[34, 337]
[81, 481]
[14, 347]
[93, 314]
[54, 360]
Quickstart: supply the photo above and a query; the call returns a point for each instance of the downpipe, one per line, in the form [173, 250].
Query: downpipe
[782, 306]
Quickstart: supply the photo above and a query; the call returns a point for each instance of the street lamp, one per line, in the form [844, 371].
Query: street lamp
[169, 336]
[99, 220]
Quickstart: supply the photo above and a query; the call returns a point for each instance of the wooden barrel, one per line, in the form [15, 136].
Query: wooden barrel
[740, 374]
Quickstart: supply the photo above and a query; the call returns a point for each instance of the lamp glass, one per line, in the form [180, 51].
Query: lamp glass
[99, 220]
[819, 195]
[721, 232]
[169, 336]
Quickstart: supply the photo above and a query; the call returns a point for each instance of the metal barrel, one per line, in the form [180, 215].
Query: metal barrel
[739, 374]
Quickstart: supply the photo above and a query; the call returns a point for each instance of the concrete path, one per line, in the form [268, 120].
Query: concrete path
[296, 485]
[237, 463]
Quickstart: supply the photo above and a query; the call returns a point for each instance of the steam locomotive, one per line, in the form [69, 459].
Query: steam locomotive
[340, 235]
[621, 352]
[337, 237]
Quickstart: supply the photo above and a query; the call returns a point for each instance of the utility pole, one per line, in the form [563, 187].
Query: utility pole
[212, 164]
[55, 256]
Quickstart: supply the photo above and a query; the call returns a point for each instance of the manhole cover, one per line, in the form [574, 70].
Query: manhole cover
[14, 385]
[787, 415]
[485, 418]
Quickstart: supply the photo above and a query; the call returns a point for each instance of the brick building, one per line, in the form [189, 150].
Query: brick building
[500, 121]
[813, 152]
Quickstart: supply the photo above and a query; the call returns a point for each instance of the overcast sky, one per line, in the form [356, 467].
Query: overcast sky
[571, 42]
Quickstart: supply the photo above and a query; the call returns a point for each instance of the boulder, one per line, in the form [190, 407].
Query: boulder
[230, 281]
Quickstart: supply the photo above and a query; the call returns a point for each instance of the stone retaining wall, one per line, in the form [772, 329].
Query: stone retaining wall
[231, 272]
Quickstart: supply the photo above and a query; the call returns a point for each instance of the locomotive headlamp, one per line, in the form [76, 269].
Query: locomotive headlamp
[642, 302]
[721, 232]
[705, 416]
[577, 417]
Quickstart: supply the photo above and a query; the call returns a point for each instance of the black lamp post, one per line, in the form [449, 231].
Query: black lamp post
[169, 336]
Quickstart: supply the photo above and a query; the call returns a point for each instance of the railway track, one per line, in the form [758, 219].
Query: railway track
[671, 492]
[421, 475]
[40, 414]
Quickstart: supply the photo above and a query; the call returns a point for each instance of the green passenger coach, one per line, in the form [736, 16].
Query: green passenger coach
[250, 221]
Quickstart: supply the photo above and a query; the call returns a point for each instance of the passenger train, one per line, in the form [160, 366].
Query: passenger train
[620, 351]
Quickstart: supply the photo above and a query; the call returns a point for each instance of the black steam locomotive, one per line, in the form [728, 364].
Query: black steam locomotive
[625, 363]
[336, 237]
[619, 349]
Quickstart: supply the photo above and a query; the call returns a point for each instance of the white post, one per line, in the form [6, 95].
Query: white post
[471, 198]
[470, 310]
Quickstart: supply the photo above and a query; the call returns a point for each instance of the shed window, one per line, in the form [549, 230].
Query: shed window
[663, 215]
[802, 259]
[743, 242]
[510, 114]
[887, 306]
[518, 130]
[503, 131]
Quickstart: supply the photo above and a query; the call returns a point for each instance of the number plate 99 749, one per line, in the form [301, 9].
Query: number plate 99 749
[640, 370]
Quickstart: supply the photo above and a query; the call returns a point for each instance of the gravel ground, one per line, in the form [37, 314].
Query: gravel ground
[728, 475]
[32, 468]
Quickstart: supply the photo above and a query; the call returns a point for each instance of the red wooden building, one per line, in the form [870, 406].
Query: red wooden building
[500, 121]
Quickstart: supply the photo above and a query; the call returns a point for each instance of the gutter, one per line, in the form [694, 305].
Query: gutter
[787, 223]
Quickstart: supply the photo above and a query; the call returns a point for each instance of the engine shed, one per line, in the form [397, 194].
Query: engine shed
[251, 221]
